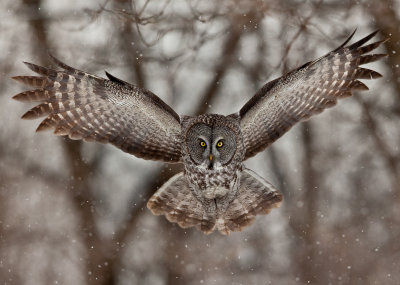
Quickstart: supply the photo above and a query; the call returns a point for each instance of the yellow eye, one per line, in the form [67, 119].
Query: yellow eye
[220, 144]
[203, 143]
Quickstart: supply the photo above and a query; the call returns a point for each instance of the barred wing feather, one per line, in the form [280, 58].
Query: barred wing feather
[304, 92]
[88, 107]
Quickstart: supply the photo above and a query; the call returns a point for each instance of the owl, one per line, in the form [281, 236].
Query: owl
[215, 191]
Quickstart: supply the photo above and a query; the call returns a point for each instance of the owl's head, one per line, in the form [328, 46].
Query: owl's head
[212, 140]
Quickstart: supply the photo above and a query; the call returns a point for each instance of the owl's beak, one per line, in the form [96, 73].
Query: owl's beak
[211, 166]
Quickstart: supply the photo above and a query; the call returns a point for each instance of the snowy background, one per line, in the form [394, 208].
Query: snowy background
[74, 213]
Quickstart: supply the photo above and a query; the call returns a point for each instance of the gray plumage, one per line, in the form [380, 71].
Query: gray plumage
[85, 106]
[304, 92]
[215, 191]
[176, 201]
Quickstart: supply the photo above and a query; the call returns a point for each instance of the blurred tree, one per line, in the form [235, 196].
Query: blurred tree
[339, 223]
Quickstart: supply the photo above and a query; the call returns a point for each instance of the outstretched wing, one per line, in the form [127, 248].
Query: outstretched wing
[84, 106]
[304, 92]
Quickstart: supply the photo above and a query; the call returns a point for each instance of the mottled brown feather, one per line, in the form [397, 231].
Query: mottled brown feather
[84, 106]
[304, 92]
[176, 201]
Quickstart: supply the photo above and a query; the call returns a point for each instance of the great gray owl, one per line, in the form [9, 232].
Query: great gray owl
[215, 191]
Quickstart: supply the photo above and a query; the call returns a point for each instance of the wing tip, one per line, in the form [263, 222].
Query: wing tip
[375, 75]
[31, 66]
[29, 115]
[17, 78]
[364, 40]
[59, 63]
[42, 128]
[19, 97]
[115, 79]
[358, 85]
[346, 41]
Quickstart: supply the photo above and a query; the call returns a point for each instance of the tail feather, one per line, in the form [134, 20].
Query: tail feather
[176, 201]
[255, 197]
